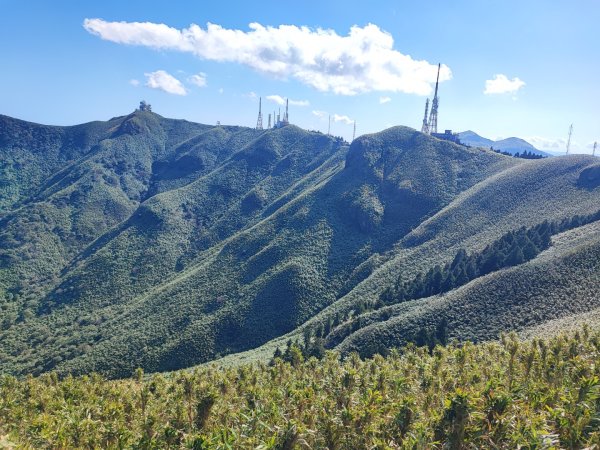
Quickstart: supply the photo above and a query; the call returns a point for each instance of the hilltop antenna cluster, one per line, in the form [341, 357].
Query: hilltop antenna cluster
[430, 118]
[569, 139]
[278, 121]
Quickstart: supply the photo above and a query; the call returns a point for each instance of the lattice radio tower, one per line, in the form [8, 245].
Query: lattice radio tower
[594, 150]
[433, 117]
[354, 131]
[425, 127]
[259, 125]
[569, 139]
[286, 118]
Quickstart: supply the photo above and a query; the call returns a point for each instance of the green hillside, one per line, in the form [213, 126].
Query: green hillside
[158, 243]
[559, 282]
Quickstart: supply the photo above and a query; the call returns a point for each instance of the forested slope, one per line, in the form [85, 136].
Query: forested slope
[156, 243]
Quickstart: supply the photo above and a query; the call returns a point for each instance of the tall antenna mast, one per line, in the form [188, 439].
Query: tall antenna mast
[269, 126]
[425, 127]
[287, 117]
[569, 139]
[433, 117]
[259, 125]
[354, 131]
[329, 126]
[594, 150]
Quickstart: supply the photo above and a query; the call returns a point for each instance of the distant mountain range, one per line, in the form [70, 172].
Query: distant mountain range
[511, 145]
[150, 242]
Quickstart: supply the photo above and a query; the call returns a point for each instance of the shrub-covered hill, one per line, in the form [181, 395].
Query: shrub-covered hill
[506, 394]
[161, 244]
[230, 238]
[559, 282]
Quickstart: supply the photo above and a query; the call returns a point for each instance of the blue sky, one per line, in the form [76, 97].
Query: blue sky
[56, 71]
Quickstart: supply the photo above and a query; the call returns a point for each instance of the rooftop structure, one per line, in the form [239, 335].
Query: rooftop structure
[145, 106]
[447, 135]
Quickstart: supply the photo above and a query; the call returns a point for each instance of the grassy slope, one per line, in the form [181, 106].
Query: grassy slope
[559, 283]
[222, 194]
[523, 195]
[177, 280]
[214, 240]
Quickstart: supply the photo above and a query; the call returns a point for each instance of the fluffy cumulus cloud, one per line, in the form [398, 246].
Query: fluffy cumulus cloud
[281, 101]
[199, 79]
[165, 82]
[344, 119]
[319, 113]
[364, 60]
[134, 82]
[383, 100]
[500, 84]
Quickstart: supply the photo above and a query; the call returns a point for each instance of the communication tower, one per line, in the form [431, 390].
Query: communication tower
[425, 127]
[433, 117]
[569, 139]
[259, 125]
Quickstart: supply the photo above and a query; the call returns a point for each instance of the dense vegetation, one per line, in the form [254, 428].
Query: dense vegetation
[157, 243]
[507, 394]
[215, 239]
[512, 249]
[525, 154]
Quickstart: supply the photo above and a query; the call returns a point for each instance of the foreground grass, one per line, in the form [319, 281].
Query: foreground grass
[510, 394]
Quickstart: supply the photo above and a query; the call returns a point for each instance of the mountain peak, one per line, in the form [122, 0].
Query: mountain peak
[511, 145]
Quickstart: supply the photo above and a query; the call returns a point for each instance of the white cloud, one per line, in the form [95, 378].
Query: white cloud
[383, 100]
[165, 82]
[134, 82]
[276, 99]
[547, 143]
[345, 119]
[364, 60]
[319, 113]
[299, 102]
[559, 145]
[281, 101]
[502, 85]
[251, 95]
[199, 79]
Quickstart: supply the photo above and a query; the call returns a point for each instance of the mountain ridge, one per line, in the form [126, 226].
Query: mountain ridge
[512, 145]
[167, 243]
